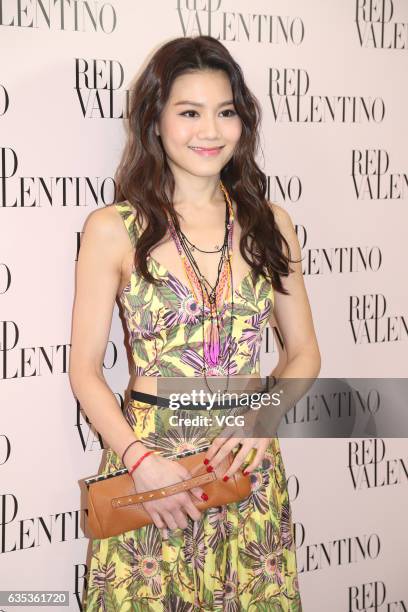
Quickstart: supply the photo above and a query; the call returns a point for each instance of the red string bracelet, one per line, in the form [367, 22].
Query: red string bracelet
[132, 469]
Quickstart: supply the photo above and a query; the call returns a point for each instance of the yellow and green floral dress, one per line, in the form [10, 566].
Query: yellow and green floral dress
[237, 557]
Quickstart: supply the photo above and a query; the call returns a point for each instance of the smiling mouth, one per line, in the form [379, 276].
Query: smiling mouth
[207, 148]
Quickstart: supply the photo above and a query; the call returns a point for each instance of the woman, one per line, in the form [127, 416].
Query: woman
[190, 195]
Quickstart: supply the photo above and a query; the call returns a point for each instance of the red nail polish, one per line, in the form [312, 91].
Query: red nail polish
[210, 468]
[245, 473]
[204, 496]
[206, 461]
[225, 478]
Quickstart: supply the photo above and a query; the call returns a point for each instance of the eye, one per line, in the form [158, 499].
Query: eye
[228, 110]
[189, 111]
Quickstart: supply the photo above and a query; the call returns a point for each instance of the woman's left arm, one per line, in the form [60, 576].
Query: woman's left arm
[293, 315]
[292, 312]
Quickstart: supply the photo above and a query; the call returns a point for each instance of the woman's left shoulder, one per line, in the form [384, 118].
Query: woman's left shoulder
[282, 218]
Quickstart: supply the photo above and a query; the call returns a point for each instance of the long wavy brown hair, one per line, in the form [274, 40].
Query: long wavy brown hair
[144, 179]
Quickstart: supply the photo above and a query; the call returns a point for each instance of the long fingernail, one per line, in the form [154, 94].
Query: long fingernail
[225, 478]
[210, 468]
[204, 496]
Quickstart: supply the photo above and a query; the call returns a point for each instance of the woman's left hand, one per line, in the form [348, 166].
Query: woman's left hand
[221, 447]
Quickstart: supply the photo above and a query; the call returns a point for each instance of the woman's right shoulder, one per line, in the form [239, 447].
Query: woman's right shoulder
[114, 221]
[111, 225]
[108, 220]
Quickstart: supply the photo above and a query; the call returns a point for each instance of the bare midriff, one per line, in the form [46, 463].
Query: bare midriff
[247, 382]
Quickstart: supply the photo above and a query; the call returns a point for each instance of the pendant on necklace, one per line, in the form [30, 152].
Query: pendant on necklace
[211, 344]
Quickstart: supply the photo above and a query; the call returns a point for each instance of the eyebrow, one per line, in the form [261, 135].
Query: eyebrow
[190, 102]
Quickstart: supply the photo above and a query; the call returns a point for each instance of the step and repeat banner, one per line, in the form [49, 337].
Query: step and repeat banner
[331, 76]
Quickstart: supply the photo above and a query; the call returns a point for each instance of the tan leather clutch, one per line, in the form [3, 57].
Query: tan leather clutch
[115, 507]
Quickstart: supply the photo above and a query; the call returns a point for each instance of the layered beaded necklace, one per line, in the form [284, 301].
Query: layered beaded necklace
[213, 299]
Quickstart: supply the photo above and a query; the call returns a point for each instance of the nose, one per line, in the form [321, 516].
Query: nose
[208, 128]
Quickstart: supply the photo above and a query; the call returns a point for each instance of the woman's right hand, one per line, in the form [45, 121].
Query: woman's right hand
[168, 512]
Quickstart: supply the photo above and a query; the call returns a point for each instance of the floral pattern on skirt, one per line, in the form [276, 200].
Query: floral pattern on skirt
[236, 558]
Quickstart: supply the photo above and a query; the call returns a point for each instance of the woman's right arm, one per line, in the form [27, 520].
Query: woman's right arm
[104, 245]
[98, 275]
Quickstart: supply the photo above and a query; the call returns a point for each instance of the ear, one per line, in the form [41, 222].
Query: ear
[156, 129]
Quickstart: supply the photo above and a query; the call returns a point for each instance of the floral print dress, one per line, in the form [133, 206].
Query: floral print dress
[237, 557]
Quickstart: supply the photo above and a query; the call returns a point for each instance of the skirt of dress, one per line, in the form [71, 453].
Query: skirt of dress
[238, 557]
